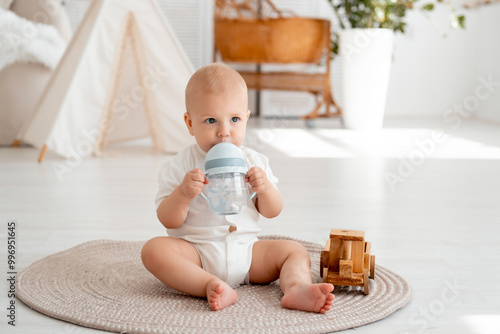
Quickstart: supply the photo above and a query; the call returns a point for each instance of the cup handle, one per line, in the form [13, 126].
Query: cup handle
[252, 195]
[203, 196]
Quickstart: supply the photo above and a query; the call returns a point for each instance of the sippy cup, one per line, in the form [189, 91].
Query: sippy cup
[225, 170]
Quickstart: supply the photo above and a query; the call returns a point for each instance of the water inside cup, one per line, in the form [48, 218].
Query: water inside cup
[227, 193]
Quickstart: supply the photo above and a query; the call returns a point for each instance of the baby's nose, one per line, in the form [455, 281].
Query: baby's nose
[223, 130]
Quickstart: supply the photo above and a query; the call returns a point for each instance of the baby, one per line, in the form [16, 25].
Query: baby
[208, 255]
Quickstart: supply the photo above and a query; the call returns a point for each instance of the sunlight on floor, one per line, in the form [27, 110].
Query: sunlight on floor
[388, 143]
[300, 143]
[483, 323]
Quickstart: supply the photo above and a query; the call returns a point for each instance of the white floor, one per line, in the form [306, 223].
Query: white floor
[426, 192]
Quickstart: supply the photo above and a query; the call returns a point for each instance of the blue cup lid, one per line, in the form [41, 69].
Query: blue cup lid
[225, 158]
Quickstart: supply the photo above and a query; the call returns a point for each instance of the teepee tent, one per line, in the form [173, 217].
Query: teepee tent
[121, 78]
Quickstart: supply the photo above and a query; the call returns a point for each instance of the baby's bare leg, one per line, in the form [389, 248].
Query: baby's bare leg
[290, 262]
[177, 263]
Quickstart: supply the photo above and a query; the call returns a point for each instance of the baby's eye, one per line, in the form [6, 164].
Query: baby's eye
[210, 120]
[235, 119]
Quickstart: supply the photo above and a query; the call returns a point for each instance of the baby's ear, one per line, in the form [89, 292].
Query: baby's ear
[189, 123]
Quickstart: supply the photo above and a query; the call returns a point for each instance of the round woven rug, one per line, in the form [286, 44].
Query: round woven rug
[102, 284]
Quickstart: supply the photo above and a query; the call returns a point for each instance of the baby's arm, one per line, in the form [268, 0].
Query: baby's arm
[269, 200]
[173, 210]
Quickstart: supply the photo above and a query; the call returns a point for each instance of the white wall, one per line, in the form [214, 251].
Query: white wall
[489, 58]
[431, 74]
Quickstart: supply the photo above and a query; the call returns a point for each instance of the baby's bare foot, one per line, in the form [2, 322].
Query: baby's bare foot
[309, 297]
[220, 295]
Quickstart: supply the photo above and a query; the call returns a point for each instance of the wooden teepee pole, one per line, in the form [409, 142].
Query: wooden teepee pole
[148, 102]
[116, 75]
[42, 153]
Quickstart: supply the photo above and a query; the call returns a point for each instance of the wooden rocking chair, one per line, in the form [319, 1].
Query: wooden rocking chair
[244, 33]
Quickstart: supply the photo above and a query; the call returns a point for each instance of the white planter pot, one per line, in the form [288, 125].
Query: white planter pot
[365, 68]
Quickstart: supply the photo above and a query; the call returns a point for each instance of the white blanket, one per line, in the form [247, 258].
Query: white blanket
[25, 41]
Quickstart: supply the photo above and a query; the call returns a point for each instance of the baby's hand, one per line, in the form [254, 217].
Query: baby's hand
[257, 179]
[193, 183]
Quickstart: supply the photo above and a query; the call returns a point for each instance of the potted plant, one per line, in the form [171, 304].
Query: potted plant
[365, 44]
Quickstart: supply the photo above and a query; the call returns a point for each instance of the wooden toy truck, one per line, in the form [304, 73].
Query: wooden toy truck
[346, 259]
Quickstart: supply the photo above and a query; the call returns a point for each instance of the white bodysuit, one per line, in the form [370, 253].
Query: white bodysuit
[225, 254]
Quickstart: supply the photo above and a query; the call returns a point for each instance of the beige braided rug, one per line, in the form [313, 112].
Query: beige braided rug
[102, 284]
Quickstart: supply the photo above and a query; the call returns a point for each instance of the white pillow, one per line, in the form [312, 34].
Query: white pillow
[5, 4]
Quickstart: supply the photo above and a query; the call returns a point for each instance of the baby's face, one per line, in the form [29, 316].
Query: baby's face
[218, 117]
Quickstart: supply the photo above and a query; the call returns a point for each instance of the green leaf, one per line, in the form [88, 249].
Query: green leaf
[461, 21]
[428, 7]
